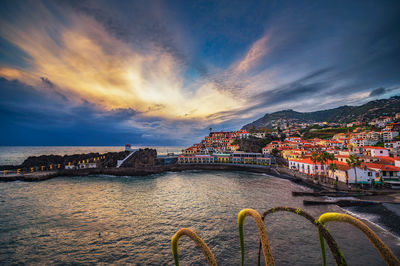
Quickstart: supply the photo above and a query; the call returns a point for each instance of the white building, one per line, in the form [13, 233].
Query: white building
[345, 173]
[373, 135]
[376, 151]
[243, 134]
[336, 144]
[293, 139]
[196, 159]
[388, 173]
[392, 144]
[360, 142]
[258, 135]
[306, 166]
[87, 165]
[389, 135]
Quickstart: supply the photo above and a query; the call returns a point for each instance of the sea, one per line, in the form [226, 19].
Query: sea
[101, 219]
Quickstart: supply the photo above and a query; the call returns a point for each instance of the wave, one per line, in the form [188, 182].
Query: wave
[372, 218]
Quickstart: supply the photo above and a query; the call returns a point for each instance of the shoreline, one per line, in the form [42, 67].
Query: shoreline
[151, 170]
[391, 196]
[388, 224]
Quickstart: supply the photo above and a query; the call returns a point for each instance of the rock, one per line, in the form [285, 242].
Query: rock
[141, 158]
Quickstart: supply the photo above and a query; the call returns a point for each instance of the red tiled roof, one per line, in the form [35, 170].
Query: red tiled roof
[373, 148]
[382, 167]
[387, 159]
[342, 156]
[343, 167]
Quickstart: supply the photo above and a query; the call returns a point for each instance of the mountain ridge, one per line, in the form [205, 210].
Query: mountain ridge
[341, 114]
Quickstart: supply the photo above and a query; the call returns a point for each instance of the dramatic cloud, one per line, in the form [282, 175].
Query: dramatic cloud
[148, 71]
[377, 92]
[86, 62]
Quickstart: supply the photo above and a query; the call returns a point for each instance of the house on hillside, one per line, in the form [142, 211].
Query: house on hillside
[388, 135]
[306, 166]
[347, 174]
[376, 151]
[393, 126]
[389, 174]
[243, 134]
[360, 142]
[258, 135]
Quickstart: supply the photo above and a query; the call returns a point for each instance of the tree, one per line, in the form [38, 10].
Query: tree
[330, 157]
[324, 158]
[274, 152]
[314, 159]
[380, 144]
[333, 168]
[354, 162]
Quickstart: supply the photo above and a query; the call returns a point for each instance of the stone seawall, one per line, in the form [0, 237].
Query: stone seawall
[137, 171]
[280, 172]
[149, 170]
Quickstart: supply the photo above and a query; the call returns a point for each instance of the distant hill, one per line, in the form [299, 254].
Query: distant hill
[343, 114]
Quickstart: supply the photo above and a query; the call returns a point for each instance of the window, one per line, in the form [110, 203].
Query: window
[369, 174]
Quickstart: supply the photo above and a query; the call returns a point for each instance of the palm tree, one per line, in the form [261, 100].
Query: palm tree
[354, 162]
[314, 159]
[333, 168]
[323, 158]
[330, 157]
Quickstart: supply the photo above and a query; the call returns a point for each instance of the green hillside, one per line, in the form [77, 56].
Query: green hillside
[343, 114]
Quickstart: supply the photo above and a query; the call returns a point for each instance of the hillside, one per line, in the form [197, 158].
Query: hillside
[343, 114]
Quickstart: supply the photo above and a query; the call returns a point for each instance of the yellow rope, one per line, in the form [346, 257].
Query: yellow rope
[383, 250]
[199, 242]
[269, 260]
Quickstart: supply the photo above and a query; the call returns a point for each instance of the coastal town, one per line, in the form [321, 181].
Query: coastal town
[200, 132]
[346, 155]
[341, 156]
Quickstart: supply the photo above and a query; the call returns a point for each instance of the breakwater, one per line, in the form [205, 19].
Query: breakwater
[136, 171]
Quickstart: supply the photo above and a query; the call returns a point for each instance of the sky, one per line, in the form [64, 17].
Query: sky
[164, 72]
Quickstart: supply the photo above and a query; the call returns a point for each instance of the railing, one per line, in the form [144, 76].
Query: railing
[227, 163]
[120, 162]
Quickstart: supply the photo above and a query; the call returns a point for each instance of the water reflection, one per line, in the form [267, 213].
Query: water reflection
[102, 219]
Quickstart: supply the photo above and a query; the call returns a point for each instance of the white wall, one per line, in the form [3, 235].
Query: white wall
[362, 175]
[306, 168]
[379, 152]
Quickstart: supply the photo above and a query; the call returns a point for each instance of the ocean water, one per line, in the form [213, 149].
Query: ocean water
[15, 155]
[130, 220]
